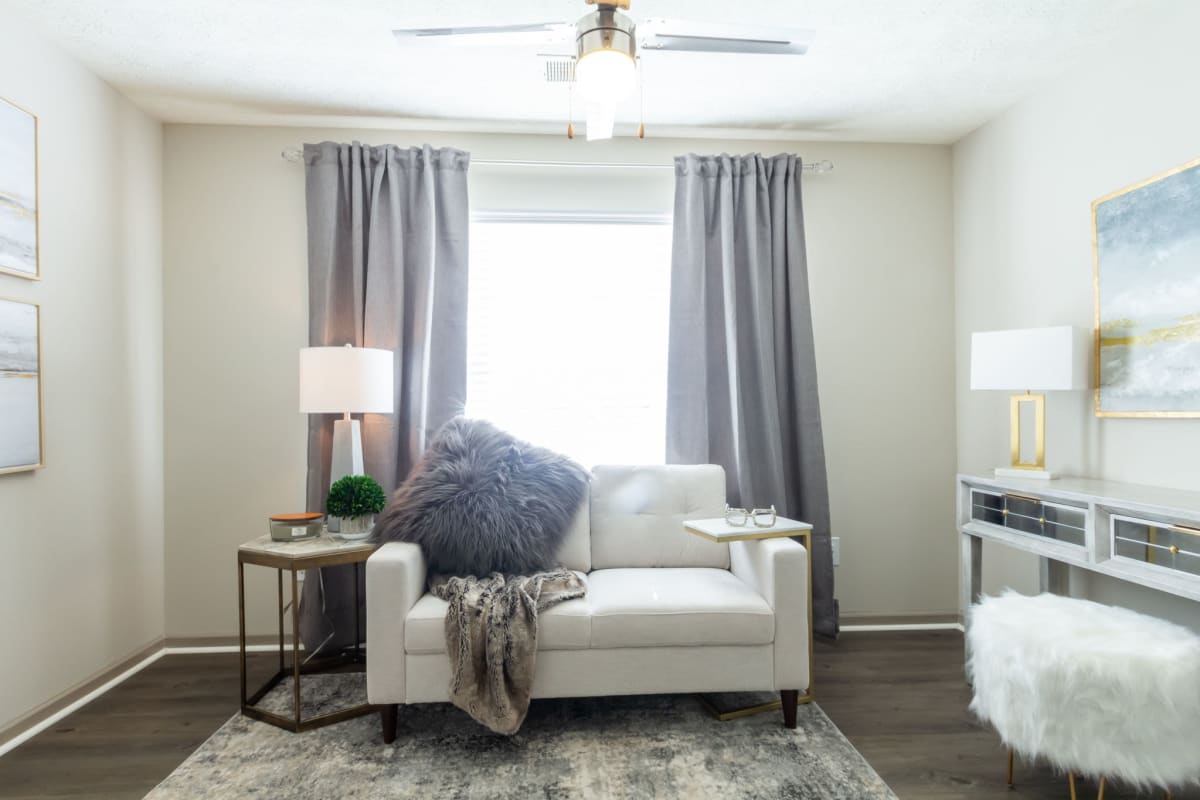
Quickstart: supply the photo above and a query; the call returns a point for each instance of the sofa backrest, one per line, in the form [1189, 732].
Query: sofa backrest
[637, 516]
[576, 550]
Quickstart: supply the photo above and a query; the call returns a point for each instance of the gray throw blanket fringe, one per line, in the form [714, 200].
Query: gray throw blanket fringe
[491, 639]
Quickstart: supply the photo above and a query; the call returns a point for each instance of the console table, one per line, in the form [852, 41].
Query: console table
[1141, 534]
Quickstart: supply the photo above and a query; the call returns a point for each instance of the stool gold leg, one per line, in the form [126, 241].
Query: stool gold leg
[1100, 794]
[1010, 769]
[1071, 781]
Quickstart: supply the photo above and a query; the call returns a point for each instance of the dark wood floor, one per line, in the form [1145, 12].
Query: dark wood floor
[899, 697]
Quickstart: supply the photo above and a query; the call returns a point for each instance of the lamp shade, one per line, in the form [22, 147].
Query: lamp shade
[337, 380]
[1029, 359]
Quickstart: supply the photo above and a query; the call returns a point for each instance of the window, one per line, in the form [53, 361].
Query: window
[567, 333]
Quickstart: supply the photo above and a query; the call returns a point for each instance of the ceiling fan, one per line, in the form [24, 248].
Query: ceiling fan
[607, 45]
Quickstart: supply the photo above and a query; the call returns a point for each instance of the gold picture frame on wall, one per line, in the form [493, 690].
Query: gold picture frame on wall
[1146, 267]
[20, 237]
[22, 422]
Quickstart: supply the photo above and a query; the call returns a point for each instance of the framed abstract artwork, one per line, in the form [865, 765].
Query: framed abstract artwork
[20, 386]
[18, 192]
[1146, 245]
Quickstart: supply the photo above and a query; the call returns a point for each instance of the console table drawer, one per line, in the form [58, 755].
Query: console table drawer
[1173, 547]
[1030, 515]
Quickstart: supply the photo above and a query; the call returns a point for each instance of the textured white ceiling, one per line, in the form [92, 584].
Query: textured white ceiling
[878, 70]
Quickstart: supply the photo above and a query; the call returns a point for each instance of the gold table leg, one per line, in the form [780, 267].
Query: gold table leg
[242, 629]
[296, 646]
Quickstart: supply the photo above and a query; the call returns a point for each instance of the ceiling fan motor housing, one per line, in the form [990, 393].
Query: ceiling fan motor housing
[606, 28]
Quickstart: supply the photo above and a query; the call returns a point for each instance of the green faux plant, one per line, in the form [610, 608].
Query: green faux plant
[355, 496]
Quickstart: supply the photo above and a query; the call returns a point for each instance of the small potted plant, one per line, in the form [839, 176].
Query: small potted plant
[355, 500]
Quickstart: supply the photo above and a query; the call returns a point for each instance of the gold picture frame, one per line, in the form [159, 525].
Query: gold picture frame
[11, 399]
[11, 200]
[1128, 331]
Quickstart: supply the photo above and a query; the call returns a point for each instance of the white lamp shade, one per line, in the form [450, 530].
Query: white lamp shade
[337, 380]
[1029, 359]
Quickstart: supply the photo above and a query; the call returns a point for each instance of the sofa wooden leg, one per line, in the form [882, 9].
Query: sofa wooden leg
[388, 715]
[790, 699]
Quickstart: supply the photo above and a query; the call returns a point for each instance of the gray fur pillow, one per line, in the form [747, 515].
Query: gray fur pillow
[481, 501]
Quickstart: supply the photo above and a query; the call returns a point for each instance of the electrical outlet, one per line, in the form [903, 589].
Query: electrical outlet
[837, 550]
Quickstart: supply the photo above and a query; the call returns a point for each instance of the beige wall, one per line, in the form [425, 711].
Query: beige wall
[1023, 187]
[235, 300]
[81, 541]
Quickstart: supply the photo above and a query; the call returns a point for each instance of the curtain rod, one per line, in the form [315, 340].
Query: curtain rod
[295, 155]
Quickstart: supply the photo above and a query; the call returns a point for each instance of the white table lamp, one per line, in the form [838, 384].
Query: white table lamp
[1029, 360]
[346, 380]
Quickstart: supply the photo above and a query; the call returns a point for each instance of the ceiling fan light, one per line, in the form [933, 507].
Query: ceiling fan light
[605, 49]
[605, 76]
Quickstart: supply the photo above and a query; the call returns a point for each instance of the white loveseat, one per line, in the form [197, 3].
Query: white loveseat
[666, 611]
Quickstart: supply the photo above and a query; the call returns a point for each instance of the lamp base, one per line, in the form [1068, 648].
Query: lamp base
[347, 458]
[1032, 474]
[347, 450]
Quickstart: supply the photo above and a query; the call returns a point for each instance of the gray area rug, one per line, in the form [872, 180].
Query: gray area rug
[607, 747]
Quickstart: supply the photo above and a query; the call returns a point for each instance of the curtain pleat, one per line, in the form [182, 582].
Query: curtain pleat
[742, 375]
[387, 259]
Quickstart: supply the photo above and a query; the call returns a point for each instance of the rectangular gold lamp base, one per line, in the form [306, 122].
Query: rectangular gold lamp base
[1038, 464]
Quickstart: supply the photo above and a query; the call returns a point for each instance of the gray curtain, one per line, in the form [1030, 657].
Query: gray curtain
[387, 268]
[742, 376]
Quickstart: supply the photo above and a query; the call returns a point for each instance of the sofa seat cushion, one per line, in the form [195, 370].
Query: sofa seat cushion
[665, 606]
[566, 626]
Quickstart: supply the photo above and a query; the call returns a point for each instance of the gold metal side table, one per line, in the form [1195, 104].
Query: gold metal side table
[718, 530]
[294, 557]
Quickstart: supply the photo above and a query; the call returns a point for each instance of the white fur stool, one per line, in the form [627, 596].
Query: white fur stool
[1093, 689]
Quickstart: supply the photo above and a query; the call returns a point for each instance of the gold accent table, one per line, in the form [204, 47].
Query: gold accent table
[718, 530]
[295, 557]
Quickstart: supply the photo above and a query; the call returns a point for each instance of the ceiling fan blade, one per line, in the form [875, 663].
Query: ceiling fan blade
[487, 35]
[670, 35]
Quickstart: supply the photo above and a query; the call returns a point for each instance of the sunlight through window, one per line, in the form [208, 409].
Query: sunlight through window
[567, 335]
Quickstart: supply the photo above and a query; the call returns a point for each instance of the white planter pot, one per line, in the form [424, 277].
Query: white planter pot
[356, 527]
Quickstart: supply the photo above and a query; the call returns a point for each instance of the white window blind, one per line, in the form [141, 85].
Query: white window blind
[567, 335]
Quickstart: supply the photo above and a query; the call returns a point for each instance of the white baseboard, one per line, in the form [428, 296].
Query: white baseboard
[62, 713]
[223, 648]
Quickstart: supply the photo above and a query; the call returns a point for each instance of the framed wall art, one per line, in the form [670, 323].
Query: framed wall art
[20, 386]
[1146, 243]
[18, 192]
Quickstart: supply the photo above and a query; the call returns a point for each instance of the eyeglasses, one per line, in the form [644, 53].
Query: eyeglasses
[759, 517]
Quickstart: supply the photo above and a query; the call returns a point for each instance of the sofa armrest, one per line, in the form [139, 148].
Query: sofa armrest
[395, 582]
[778, 570]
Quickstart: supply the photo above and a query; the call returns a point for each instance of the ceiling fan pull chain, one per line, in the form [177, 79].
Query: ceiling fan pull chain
[571, 106]
[641, 98]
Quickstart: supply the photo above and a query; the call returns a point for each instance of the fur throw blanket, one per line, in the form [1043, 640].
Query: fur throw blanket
[491, 639]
